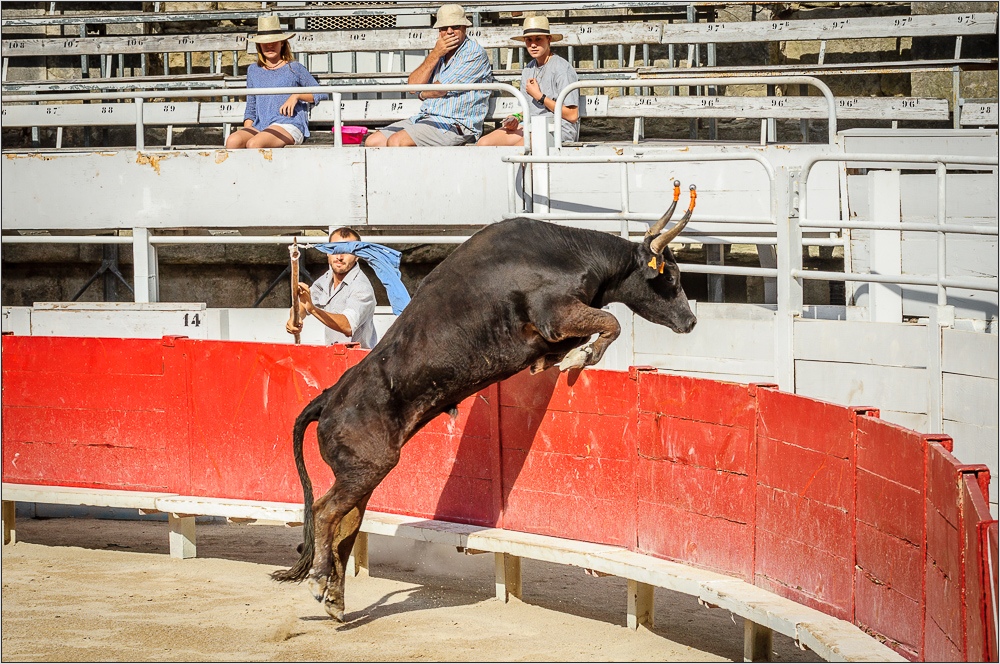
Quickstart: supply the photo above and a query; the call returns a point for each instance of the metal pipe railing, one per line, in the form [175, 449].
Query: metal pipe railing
[662, 81]
[336, 93]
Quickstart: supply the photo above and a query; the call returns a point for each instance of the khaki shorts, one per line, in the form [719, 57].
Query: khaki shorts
[425, 134]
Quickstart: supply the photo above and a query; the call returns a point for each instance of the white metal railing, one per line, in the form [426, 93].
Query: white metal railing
[689, 81]
[940, 228]
[336, 93]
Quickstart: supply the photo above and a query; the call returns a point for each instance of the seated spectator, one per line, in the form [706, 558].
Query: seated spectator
[274, 121]
[445, 118]
[342, 299]
[542, 80]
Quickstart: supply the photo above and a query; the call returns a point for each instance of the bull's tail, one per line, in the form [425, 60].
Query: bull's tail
[309, 414]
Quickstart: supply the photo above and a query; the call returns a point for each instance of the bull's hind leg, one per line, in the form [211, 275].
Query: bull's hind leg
[574, 319]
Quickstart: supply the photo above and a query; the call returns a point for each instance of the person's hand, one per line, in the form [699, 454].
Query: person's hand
[446, 43]
[288, 108]
[510, 123]
[305, 298]
[533, 89]
[432, 94]
[291, 328]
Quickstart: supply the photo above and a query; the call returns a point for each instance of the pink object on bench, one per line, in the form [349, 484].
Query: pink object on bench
[352, 135]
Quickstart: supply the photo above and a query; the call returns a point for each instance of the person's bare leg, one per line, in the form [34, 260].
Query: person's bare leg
[272, 137]
[401, 140]
[238, 139]
[376, 140]
[502, 137]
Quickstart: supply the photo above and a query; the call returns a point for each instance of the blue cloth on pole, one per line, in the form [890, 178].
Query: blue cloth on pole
[383, 260]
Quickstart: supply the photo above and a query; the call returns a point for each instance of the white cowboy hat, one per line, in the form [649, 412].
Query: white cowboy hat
[537, 25]
[269, 30]
[451, 15]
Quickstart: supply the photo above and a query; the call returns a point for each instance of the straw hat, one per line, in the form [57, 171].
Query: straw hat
[537, 25]
[451, 15]
[269, 30]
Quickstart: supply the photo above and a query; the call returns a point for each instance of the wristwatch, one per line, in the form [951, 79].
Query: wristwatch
[542, 100]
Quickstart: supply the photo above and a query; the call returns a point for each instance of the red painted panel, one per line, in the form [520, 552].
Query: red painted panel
[445, 497]
[83, 355]
[942, 481]
[590, 391]
[938, 647]
[887, 612]
[581, 434]
[696, 399]
[815, 475]
[124, 428]
[804, 573]
[574, 516]
[695, 539]
[895, 563]
[806, 423]
[562, 474]
[791, 516]
[703, 491]
[695, 443]
[892, 508]
[944, 608]
[976, 518]
[890, 451]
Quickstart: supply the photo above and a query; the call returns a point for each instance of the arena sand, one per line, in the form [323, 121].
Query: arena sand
[87, 590]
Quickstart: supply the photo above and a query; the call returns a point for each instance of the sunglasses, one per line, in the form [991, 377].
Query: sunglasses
[456, 28]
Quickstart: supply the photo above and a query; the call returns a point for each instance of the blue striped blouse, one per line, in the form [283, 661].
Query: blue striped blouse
[469, 64]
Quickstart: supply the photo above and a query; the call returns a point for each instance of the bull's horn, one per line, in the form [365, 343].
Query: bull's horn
[659, 225]
[661, 242]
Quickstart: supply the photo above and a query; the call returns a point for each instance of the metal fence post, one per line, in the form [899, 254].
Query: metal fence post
[144, 267]
[785, 206]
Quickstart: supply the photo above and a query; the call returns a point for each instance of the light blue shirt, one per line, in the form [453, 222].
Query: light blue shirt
[354, 298]
[468, 64]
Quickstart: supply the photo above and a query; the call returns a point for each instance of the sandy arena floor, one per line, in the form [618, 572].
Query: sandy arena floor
[85, 590]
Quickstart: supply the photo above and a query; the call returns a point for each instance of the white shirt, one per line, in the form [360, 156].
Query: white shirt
[354, 298]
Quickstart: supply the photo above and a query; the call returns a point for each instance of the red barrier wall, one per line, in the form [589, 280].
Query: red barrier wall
[823, 504]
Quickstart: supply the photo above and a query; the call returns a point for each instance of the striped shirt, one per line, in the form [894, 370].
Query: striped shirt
[468, 64]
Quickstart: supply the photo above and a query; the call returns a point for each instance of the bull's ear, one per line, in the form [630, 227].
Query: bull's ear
[653, 264]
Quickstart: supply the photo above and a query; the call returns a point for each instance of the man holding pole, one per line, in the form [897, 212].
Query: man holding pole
[342, 299]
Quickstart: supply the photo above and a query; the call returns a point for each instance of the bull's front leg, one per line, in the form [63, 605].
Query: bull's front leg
[576, 319]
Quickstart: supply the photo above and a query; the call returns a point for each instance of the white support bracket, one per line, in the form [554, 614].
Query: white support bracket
[758, 642]
[640, 604]
[507, 573]
[183, 538]
[357, 563]
[9, 522]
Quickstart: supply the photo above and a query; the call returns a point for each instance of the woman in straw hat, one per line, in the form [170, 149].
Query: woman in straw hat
[541, 79]
[274, 121]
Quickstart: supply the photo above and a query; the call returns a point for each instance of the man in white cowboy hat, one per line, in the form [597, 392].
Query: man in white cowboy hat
[541, 79]
[445, 118]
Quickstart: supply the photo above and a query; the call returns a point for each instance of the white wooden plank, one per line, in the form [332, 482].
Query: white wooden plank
[133, 321]
[877, 108]
[863, 385]
[17, 320]
[171, 112]
[975, 444]
[979, 115]
[831, 28]
[970, 400]
[915, 421]
[722, 341]
[68, 115]
[231, 508]
[220, 112]
[887, 344]
[59, 495]
[742, 371]
[970, 353]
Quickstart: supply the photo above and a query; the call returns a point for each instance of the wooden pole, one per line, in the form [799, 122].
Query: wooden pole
[293, 253]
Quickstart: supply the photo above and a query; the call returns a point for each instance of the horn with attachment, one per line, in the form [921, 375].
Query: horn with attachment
[661, 242]
[293, 255]
[659, 225]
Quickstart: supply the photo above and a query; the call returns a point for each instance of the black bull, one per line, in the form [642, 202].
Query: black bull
[519, 294]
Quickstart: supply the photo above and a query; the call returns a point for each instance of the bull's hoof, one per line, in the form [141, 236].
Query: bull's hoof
[317, 586]
[334, 612]
[575, 359]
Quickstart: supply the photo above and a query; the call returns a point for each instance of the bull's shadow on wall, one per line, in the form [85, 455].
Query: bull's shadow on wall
[501, 425]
